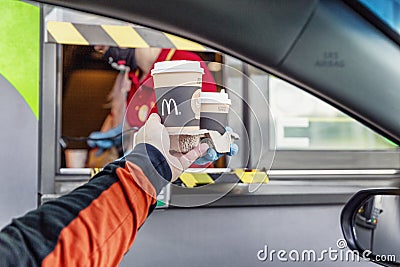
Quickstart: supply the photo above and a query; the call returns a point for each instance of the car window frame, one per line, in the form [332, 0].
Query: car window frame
[52, 181]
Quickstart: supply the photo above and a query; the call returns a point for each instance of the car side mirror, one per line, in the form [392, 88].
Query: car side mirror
[371, 225]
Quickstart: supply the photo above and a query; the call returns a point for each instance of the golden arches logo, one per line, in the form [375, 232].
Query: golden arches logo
[168, 104]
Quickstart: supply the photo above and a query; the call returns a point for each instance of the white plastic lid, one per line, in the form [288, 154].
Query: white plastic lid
[214, 97]
[177, 66]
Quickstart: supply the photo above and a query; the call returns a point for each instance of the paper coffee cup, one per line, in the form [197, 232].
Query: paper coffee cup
[214, 111]
[178, 85]
[75, 158]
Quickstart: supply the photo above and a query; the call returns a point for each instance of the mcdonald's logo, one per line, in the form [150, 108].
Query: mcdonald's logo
[168, 104]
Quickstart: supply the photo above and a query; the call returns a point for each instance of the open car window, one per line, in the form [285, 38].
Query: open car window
[285, 132]
[272, 116]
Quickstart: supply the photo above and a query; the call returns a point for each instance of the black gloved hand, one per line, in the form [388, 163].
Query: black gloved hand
[120, 58]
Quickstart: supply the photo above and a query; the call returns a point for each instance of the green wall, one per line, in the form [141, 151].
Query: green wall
[20, 49]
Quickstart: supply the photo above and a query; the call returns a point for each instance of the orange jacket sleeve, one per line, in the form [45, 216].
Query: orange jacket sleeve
[94, 225]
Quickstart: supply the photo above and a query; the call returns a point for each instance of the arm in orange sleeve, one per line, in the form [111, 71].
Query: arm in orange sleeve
[95, 224]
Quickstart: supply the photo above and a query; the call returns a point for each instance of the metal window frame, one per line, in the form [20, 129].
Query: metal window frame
[47, 121]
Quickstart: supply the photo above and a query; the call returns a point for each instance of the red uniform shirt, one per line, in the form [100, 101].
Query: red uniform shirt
[142, 98]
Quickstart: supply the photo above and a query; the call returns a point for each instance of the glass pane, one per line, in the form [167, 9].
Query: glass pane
[386, 10]
[303, 121]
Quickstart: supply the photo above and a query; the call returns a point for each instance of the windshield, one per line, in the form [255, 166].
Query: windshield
[386, 10]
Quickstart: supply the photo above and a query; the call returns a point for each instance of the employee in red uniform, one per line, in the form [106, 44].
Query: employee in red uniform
[140, 61]
[141, 97]
[96, 224]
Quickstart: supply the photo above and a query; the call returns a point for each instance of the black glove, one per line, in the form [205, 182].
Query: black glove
[120, 58]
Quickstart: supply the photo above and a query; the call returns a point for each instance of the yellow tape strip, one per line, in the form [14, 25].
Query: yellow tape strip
[203, 178]
[125, 36]
[170, 54]
[184, 44]
[193, 179]
[188, 179]
[65, 33]
[94, 171]
[253, 177]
